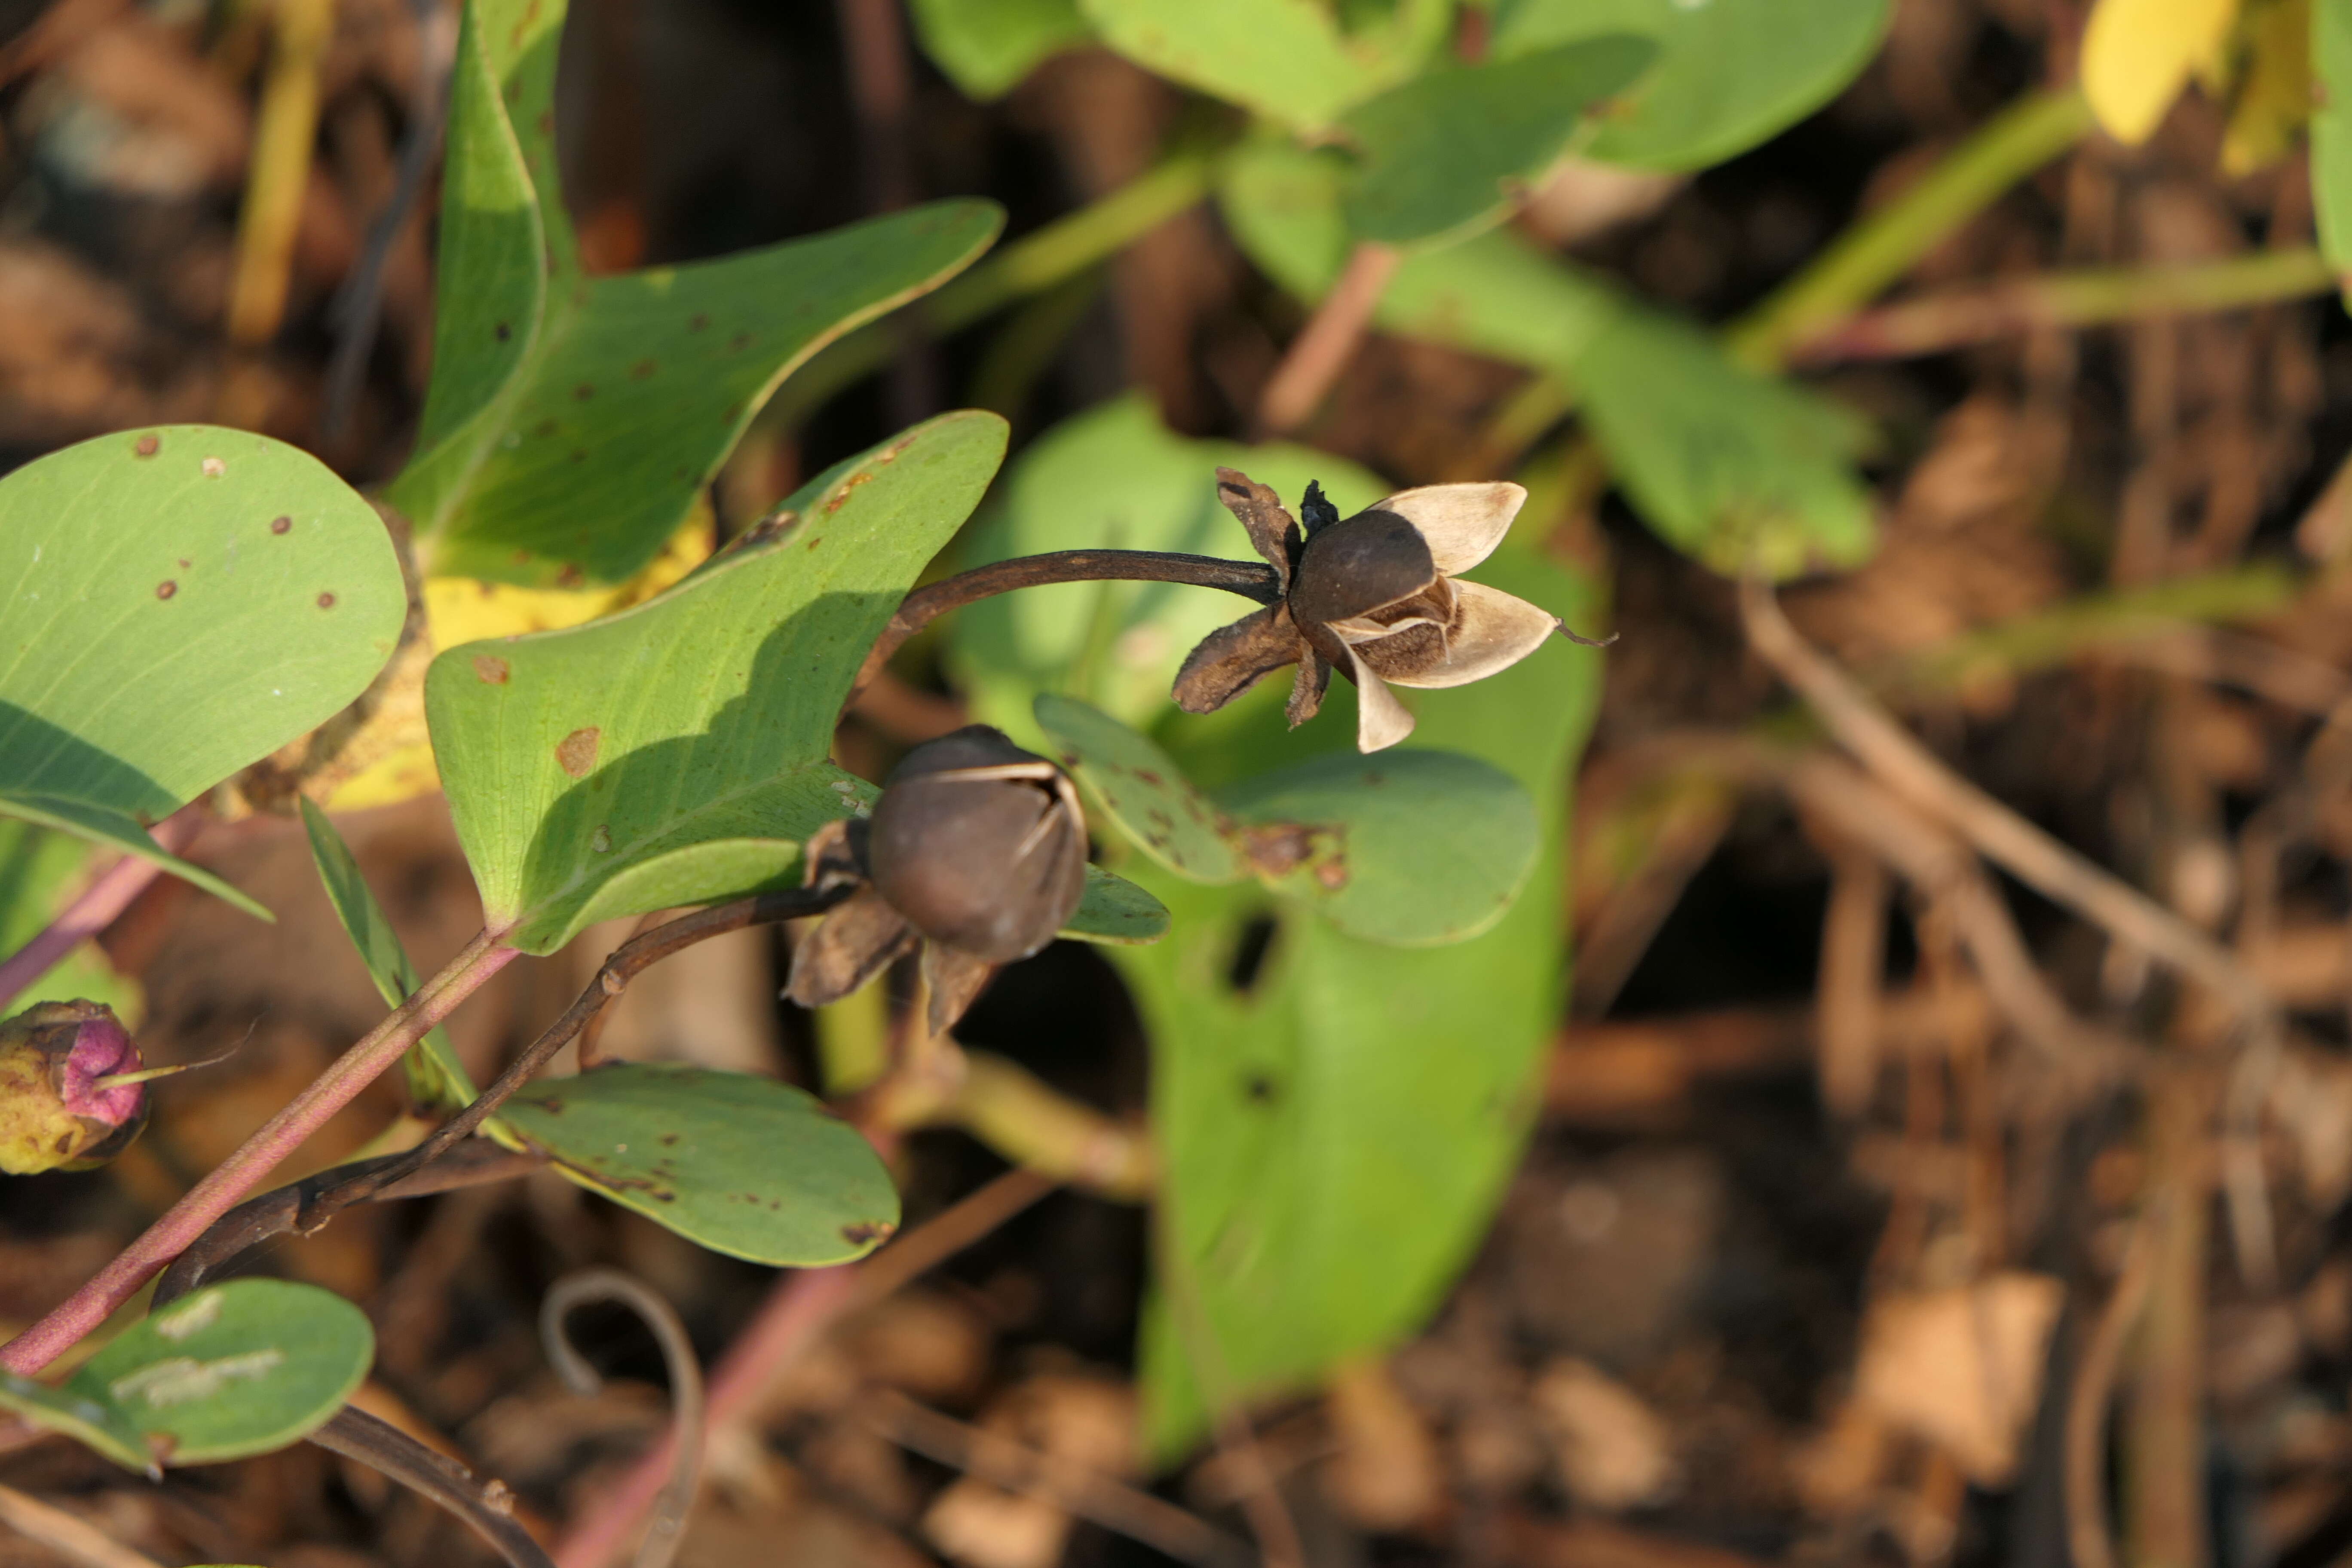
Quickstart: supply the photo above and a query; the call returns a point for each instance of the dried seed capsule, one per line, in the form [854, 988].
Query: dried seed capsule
[1372, 561]
[979, 845]
[62, 1104]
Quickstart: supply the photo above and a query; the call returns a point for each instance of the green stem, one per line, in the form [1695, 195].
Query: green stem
[1954, 318]
[1059, 251]
[1884, 246]
[238, 1175]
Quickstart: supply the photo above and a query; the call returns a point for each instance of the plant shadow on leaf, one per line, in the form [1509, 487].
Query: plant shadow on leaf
[705, 713]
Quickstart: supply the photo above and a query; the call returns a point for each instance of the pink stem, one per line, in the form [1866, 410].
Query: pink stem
[100, 904]
[799, 1307]
[238, 1175]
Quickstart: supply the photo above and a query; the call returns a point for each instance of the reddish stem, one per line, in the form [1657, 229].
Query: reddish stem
[238, 1175]
[802, 1306]
[99, 905]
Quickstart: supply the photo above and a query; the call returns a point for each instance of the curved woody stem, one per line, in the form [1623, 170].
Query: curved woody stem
[1251, 579]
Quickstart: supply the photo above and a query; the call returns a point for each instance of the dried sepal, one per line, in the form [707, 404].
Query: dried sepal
[1233, 658]
[857, 940]
[1272, 532]
[1307, 690]
[1489, 632]
[952, 981]
[1461, 523]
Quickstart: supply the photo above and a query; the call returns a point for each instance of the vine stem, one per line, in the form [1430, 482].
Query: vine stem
[1323, 348]
[2087, 296]
[1884, 246]
[238, 1175]
[99, 905]
[1250, 579]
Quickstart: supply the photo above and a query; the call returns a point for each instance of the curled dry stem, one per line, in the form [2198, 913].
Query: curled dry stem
[668, 1528]
[486, 1506]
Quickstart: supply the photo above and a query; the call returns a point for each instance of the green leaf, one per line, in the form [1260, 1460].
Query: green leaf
[1116, 476]
[705, 713]
[1719, 461]
[2331, 128]
[1334, 1140]
[715, 871]
[1448, 149]
[1116, 912]
[1287, 59]
[1730, 73]
[1728, 465]
[180, 603]
[41, 871]
[1139, 788]
[98, 1425]
[232, 1369]
[549, 385]
[987, 47]
[436, 1079]
[744, 1166]
[1411, 848]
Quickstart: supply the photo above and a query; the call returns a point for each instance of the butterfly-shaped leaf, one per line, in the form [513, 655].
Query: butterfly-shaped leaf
[549, 385]
[705, 714]
[1142, 791]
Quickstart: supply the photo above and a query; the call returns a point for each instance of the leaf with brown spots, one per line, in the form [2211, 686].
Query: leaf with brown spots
[545, 386]
[744, 1166]
[165, 630]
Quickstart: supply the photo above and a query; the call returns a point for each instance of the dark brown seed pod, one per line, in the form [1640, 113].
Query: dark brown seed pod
[979, 845]
[1371, 561]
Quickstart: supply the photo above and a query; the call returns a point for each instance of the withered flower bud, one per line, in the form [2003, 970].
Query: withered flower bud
[977, 848]
[1373, 595]
[71, 1095]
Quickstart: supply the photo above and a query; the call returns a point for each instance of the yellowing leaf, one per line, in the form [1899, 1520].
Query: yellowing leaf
[391, 758]
[2138, 54]
[2274, 96]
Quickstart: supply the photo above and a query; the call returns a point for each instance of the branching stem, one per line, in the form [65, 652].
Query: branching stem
[243, 1171]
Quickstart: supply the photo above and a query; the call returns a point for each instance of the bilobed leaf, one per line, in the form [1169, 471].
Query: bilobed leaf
[1445, 150]
[744, 1166]
[2138, 54]
[179, 603]
[701, 715]
[1287, 59]
[1333, 1140]
[1722, 462]
[1115, 476]
[987, 47]
[1141, 790]
[1730, 73]
[99, 1425]
[1115, 912]
[549, 385]
[2331, 128]
[436, 1079]
[232, 1369]
[41, 870]
[1406, 847]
